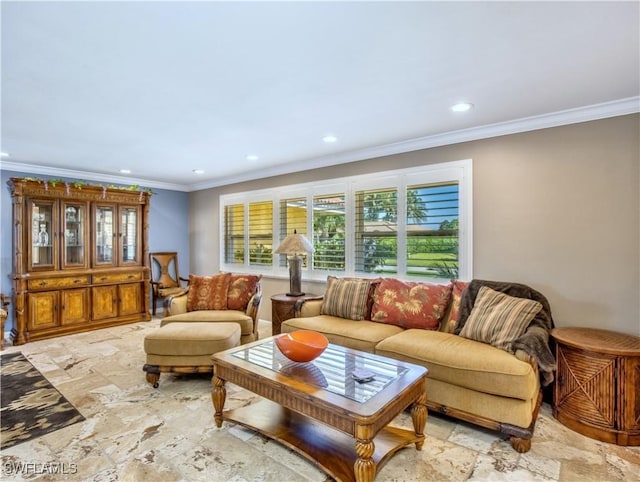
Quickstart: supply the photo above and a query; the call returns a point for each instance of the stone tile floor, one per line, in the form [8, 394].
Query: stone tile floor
[133, 432]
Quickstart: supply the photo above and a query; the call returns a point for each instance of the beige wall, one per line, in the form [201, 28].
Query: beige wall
[557, 209]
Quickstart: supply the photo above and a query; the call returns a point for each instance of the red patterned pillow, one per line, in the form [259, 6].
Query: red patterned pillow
[241, 288]
[208, 292]
[456, 295]
[410, 304]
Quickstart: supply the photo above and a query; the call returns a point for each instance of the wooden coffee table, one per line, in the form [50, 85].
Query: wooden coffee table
[319, 410]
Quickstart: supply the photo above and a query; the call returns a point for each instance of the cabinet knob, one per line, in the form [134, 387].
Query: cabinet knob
[561, 380]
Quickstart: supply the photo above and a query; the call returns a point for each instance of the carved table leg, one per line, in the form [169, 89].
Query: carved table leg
[419, 416]
[364, 467]
[218, 395]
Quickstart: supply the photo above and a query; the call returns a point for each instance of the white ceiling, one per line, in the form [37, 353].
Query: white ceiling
[163, 88]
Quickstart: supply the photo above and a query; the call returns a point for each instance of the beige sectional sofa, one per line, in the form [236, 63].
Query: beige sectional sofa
[495, 387]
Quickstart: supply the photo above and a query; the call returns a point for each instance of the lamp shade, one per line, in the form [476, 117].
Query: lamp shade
[295, 244]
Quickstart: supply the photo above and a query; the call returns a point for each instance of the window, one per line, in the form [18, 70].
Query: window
[408, 223]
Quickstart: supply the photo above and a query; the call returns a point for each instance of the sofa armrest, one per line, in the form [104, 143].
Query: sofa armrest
[307, 307]
[175, 305]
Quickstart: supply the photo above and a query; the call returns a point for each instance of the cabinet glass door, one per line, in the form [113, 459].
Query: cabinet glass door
[42, 235]
[104, 232]
[75, 238]
[130, 235]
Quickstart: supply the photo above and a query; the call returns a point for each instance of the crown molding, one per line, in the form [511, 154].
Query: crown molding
[630, 105]
[88, 176]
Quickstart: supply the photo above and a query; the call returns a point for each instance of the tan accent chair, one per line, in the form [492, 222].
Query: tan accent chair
[186, 339]
[165, 277]
[176, 310]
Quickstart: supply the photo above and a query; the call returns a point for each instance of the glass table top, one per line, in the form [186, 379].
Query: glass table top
[333, 370]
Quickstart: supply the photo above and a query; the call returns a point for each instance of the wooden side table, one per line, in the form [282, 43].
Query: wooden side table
[597, 387]
[282, 308]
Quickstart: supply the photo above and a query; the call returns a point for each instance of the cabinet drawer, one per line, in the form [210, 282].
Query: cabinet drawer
[117, 277]
[53, 283]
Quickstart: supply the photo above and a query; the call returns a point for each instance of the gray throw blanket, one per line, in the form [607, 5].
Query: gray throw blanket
[535, 341]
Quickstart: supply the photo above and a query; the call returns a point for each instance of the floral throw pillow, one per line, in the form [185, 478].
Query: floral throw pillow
[208, 292]
[346, 298]
[241, 288]
[499, 319]
[410, 304]
[448, 325]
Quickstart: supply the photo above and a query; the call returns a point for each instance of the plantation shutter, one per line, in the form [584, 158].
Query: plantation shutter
[329, 221]
[376, 228]
[261, 233]
[234, 234]
[432, 230]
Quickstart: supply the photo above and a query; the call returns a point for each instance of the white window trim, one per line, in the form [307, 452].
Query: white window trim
[461, 171]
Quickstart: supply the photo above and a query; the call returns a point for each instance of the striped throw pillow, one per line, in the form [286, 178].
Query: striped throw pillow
[499, 319]
[346, 298]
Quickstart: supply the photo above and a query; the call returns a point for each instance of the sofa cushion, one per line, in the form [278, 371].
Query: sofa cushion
[239, 317]
[448, 324]
[499, 319]
[346, 298]
[208, 292]
[360, 335]
[410, 304]
[241, 288]
[460, 361]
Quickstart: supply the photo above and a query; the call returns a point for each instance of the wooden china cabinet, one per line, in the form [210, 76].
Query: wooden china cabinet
[80, 258]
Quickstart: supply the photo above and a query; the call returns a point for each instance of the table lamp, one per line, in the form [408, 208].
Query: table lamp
[294, 245]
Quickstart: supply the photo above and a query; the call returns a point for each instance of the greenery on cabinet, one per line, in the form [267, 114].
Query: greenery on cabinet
[81, 184]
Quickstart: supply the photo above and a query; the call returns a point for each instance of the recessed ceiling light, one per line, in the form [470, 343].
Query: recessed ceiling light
[461, 107]
[251, 157]
[125, 171]
[198, 171]
[4, 154]
[329, 139]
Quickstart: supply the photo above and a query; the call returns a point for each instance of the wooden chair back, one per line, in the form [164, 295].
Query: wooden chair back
[165, 276]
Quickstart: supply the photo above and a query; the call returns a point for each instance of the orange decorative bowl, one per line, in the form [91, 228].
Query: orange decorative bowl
[302, 345]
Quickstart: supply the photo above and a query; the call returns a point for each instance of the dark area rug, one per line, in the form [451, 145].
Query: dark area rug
[30, 405]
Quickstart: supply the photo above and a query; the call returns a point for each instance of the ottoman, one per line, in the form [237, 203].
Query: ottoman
[186, 347]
